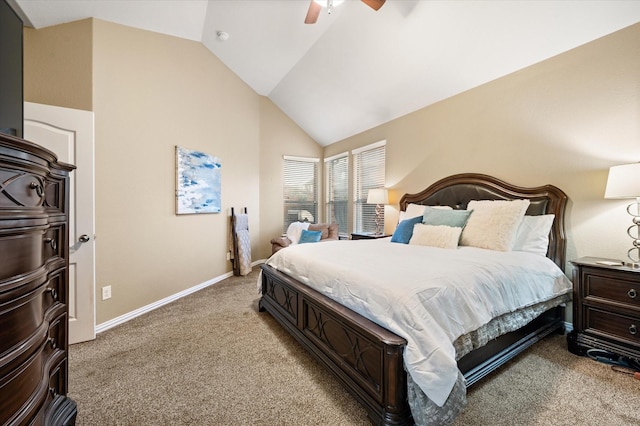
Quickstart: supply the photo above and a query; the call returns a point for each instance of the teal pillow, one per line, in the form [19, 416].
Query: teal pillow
[309, 236]
[404, 231]
[438, 217]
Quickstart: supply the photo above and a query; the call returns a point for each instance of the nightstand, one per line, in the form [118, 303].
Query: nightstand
[367, 236]
[606, 308]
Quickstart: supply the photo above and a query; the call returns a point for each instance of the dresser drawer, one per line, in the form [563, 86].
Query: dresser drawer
[611, 289]
[54, 195]
[24, 390]
[623, 328]
[21, 189]
[57, 335]
[53, 243]
[30, 389]
[23, 315]
[21, 253]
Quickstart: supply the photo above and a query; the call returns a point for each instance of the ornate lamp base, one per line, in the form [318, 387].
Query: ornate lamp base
[379, 219]
[634, 232]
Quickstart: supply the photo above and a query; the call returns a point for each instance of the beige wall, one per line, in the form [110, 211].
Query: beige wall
[60, 54]
[563, 121]
[151, 92]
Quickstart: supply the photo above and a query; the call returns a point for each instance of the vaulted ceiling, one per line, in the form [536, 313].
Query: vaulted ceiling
[357, 68]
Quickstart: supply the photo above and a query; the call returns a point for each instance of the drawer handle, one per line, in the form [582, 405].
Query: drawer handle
[38, 187]
[52, 243]
[632, 293]
[633, 329]
[53, 291]
[52, 343]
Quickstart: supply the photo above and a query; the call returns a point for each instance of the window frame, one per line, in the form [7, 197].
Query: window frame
[330, 190]
[291, 175]
[363, 213]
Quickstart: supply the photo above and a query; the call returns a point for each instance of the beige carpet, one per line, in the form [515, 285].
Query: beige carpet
[212, 359]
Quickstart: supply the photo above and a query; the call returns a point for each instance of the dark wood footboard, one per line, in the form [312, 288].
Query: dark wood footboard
[365, 357]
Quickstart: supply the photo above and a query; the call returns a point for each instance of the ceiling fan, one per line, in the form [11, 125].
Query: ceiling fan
[316, 6]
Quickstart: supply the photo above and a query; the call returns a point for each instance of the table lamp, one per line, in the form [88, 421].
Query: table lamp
[624, 182]
[378, 197]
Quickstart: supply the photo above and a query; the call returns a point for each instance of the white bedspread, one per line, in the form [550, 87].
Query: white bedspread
[427, 295]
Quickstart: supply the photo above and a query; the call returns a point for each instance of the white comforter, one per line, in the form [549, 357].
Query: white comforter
[427, 295]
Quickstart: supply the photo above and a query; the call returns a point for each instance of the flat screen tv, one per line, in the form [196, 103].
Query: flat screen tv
[11, 89]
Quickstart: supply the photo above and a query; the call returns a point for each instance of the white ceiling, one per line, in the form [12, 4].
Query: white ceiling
[357, 68]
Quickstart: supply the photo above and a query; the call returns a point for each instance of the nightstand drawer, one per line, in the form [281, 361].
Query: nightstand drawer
[612, 325]
[611, 289]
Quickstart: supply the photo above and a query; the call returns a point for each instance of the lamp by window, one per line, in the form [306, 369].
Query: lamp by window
[624, 182]
[378, 197]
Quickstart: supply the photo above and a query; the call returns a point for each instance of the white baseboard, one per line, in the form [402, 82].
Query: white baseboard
[155, 305]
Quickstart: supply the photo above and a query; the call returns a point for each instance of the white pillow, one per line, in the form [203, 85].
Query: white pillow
[435, 236]
[415, 210]
[295, 230]
[533, 234]
[493, 224]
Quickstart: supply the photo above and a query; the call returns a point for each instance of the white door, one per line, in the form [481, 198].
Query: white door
[69, 134]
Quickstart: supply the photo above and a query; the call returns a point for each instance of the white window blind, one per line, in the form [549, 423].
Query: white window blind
[337, 190]
[300, 190]
[369, 173]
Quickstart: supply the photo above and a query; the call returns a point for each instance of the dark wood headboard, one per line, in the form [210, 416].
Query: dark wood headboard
[457, 190]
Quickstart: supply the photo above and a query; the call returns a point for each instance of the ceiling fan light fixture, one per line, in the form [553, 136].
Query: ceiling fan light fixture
[316, 6]
[328, 3]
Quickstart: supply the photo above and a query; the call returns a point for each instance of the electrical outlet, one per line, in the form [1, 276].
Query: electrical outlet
[106, 292]
[228, 255]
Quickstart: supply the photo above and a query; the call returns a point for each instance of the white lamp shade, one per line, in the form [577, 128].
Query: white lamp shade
[623, 181]
[378, 196]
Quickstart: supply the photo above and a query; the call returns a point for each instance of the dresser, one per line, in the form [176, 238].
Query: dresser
[34, 275]
[606, 308]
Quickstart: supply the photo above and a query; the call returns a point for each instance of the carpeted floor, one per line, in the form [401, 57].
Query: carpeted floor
[212, 359]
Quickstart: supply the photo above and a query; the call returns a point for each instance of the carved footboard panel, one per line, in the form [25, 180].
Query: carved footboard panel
[365, 357]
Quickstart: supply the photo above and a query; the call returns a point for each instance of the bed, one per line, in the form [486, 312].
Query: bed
[369, 359]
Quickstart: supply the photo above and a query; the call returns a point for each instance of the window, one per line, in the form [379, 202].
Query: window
[368, 169]
[300, 190]
[337, 190]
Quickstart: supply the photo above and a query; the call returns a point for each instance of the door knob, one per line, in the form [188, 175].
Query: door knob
[84, 238]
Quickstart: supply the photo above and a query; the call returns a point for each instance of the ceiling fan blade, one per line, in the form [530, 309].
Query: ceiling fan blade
[313, 13]
[374, 4]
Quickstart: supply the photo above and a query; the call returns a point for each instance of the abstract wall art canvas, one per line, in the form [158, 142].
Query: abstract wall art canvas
[198, 182]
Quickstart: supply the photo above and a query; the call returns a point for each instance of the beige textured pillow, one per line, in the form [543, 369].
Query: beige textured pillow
[435, 236]
[493, 224]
